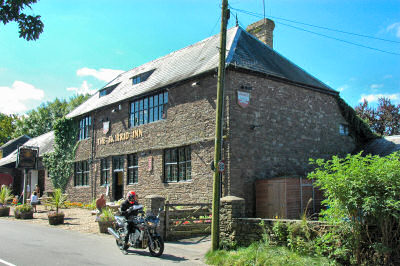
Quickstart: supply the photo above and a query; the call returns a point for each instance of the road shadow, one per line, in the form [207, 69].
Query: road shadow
[191, 241]
[162, 257]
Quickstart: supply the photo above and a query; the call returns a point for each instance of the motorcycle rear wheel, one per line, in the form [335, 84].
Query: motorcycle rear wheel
[157, 249]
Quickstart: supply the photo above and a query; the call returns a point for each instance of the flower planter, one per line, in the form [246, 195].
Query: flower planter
[103, 225]
[23, 215]
[4, 211]
[56, 219]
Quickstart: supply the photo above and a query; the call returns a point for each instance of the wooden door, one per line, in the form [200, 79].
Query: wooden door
[271, 198]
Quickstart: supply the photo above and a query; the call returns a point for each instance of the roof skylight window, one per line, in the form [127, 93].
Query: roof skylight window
[141, 77]
[107, 90]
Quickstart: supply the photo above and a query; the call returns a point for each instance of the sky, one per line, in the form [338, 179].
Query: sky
[86, 43]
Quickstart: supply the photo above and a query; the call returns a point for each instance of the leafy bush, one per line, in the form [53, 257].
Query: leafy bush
[5, 195]
[91, 206]
[363, 197]
[57, 199]
[24, 208]
[279, 233]
[106, 215]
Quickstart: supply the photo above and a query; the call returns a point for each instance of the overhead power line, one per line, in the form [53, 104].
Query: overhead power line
[315, 26]
[320, 34]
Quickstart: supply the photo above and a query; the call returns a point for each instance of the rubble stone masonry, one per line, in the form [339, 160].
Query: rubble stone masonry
[281, 128]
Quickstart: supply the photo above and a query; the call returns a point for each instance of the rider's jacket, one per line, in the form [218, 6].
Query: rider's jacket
[126, 211]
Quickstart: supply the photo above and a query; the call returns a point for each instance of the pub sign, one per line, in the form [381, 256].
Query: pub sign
[27, 157]
[243, 98]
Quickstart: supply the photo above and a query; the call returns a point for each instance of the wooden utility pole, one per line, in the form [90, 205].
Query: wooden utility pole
[218, 129]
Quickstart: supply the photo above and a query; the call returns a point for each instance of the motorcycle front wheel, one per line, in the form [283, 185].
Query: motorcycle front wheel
[157, 249]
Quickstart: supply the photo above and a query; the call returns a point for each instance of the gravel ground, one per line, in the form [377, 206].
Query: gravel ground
[76, 219]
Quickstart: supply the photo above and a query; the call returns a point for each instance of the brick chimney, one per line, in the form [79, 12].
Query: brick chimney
[263, 30]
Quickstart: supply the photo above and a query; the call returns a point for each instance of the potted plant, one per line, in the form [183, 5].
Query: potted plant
[5, 196]
[57, 201]
[106, 219]
[24, 211]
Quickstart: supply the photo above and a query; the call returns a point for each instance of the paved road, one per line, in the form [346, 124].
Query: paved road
[31, 244]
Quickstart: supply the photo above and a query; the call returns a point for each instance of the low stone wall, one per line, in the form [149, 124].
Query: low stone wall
[234, 228]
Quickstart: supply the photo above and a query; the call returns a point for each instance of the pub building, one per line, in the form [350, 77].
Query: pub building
[151, 129]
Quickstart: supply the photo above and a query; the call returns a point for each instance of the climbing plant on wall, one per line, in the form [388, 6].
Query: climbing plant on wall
[358, 127]
[59, 162]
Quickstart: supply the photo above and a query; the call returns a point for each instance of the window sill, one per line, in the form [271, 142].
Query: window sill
[178, 182]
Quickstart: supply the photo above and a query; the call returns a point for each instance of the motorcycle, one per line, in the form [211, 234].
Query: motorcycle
[145, 233]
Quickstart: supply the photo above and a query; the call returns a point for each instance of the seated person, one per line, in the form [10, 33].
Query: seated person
[34, 200]
[100, 204]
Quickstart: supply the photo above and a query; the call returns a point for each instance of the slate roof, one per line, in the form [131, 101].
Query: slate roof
[11, 145]
[383, 146]
[243, 51]
[44, 142]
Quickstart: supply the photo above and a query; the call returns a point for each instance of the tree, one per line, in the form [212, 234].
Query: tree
[384, 120]
[7, 127]
[59, 162]
[30, 27]
[41, 120]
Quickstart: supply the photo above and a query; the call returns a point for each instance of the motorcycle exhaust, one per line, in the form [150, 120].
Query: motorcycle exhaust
[112, 232]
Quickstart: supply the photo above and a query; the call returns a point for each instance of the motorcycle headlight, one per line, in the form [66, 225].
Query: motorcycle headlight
[153, 223]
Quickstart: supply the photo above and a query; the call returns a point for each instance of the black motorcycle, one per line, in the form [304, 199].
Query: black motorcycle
[138, 232]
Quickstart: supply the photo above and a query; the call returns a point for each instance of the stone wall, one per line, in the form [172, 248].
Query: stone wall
[190, 120]
[235, 228]
[275, 135]
[283, 126]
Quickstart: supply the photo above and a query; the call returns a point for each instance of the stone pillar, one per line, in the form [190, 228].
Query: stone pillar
[263, 30]
[153, 203]
[231, 208]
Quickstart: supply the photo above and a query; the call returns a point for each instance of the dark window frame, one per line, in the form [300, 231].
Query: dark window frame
[148, 109]
[84, 127]
[120, 163]
[344, 130]
[178, 164]
[133, 169]
[81, 173]
[141, 77]
[105, 171]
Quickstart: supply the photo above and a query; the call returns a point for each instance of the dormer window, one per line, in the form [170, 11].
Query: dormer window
[107, 90]
[141, 77]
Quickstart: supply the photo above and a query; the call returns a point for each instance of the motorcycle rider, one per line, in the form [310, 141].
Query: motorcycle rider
[130, 208]
[131, 200]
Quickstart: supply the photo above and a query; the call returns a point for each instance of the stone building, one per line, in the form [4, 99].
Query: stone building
[35, 176]
[151, 129]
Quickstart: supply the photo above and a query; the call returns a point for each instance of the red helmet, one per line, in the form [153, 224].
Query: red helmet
[131, 197]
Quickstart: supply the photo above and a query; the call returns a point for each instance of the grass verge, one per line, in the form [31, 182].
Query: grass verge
[262, 253]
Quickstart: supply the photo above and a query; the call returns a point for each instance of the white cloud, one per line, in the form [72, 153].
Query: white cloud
[376, 86]
[394, 27]
[342, 88]
[104, 74]
[14, 99]
[374, 97]
[85, 88]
